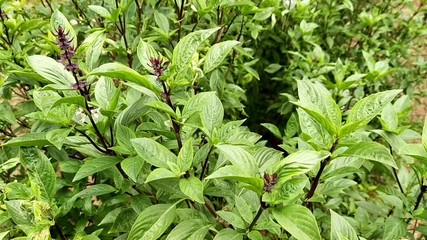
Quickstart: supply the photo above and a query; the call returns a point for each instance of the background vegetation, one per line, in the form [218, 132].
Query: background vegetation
[222, 119]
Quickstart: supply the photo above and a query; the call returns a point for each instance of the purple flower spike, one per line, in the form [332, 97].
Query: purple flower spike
[68, 53]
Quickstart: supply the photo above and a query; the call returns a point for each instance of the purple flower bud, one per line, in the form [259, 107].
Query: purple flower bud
[270, 181]
[158, 66]
[79, 86]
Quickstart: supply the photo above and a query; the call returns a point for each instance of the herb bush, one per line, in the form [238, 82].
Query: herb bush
[124, 120]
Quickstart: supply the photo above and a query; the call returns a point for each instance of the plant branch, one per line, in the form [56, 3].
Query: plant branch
[398, 181]
[95, 127]
[212, 211]
[139, 14]
[49, 5]
[261, 209]
[180, 12]
[91, 140]
[423, 189]
[86, 95]
[175, 125]
[395, 175]
[122, 30]
[229, 24]
[11, 134]
[6, 29]
[23, 123]
[420, 197]
[205, 164]
[81, 12]
[315, 181]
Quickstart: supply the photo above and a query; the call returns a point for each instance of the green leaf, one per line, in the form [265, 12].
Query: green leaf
[17, 212]
[285, 192]
[57, 137]
[29, 139]
[161, 21]
[95, 165]
[212, 113]
[292, 126]
[313, 129]
[371, 151]
[77, 100]
[244, 209]
[123, 221]
[389, 118]
[217, 53]
[232, 218]
[317, 101]
[394, 228]
[298, 221]
[273, 129]
[366, 109]
[102, 11]
[187, 46]
[239, 158]
[44, 100]
[153, 222]
[93, 45]
[118, 70]
[341, 228]
[186, 156]
[251, 71]
[159, 105]
[254, 235]
[153, 152]
[272, 68]
[298, 163]
[193, 188]
[132, 167]
[51, 70]
[228, 234]
[263, 14]
[187, 228]
[196, 103]
[319, 118]
[160, 173]
[235, 173]
[41, 170]
[4, 234]
[104, 92]
[145, 53]
[131, 113]
[6, 114]
[200, 233]
[95, 190]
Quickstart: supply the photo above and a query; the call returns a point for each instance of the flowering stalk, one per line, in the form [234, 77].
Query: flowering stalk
[67, 56]
[159, 67]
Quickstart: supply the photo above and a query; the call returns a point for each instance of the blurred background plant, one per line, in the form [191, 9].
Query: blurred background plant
[352, 49]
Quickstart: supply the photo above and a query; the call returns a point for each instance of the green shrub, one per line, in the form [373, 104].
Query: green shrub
[123, 120]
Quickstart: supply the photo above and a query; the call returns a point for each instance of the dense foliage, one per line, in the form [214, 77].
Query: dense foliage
[222, 119]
